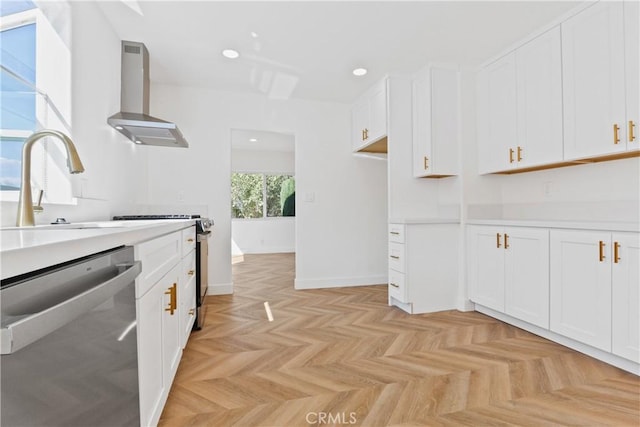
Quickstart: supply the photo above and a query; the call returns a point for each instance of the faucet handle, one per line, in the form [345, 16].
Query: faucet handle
[38, 207]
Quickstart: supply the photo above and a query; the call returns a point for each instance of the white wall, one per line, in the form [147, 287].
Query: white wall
[115, 173]
[341, 210]
[263, 235]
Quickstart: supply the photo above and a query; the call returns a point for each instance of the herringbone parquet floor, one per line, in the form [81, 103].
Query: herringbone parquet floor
[343, 357]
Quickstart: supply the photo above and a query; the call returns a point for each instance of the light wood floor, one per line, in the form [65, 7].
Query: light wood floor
[343, 357]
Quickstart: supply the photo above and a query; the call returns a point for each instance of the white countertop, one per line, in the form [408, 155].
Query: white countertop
[424, 221]
[578, 225]
[28, 249]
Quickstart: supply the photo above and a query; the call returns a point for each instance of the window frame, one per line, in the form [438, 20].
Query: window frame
[264, 195]
[47, 155]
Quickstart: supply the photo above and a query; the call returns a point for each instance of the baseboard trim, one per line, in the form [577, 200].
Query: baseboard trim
[340, 282]
[220, 289]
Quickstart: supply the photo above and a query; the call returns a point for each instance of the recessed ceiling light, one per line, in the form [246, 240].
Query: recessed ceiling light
[253, 140]
[230, 53]
[359, 72]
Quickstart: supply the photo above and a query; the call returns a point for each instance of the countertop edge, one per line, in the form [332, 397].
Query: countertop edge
[562, 224]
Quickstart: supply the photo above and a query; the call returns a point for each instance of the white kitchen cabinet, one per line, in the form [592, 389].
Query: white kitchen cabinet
[369, 120]
[508, 271]
[632, 72]
[423, 266]
[159, 290]
[593, 58]
[626, 295]
[435, 122]
[187, 293]
[580, 286]
[520, 107]
[496, 114]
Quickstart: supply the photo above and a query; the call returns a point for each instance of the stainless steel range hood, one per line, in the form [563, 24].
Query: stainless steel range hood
[134, 121]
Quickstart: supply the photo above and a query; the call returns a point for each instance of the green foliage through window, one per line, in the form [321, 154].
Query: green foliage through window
[257, 195]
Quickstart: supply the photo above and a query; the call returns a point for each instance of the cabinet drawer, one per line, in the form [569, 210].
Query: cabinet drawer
[396, 233]
[158, 256]
[397, 288]
[396, 257]
[188, 240]
[189, 266]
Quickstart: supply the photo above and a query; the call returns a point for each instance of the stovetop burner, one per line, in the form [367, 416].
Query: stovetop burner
[154, 216]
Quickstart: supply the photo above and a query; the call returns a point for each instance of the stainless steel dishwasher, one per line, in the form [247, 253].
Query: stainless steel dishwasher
[69, 344]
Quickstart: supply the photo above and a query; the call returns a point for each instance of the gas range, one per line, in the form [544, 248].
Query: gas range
[203, 225]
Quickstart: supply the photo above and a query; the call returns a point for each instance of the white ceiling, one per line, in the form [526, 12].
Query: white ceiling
[311, 47]
[243, 139]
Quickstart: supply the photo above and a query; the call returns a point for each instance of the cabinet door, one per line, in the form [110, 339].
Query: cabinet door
[539, 91]
[421, 124]
[359, 118]
[187, 297]
[626, 295]
[580, 286]
[153, 384]
[444, 121]
[171, 342]
[486, 266]
[378, 112]
[497, 115]
[632, 60]
[527, 274]
[593, 81]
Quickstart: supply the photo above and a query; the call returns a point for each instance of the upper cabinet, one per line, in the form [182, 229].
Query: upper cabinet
[520, 107]
[596, 92]
[568, 96]
[369, 120]
[435, 122]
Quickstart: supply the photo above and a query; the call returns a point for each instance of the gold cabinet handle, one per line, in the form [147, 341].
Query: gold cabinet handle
[190, 240]
[498, 244]
[394, 233]
[506, 241]
[394, 256]
[173, 298]
[192, 311]
[394, 285]
[426, 163]
[511, 155]
[191, 272]
[519, 153]
[632, 126]
[365, 134]
[616, 252]
[616, 136]
[363, 137]
[601, 251]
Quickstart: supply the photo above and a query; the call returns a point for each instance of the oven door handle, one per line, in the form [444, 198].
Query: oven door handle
[30, 328]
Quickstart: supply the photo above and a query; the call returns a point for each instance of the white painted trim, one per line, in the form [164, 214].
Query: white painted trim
[604, 356]
[340, 282]
[220, 289]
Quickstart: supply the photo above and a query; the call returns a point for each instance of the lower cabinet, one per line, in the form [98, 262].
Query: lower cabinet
[508, 271]
[423, 266]
[165, 291]
[594, 289]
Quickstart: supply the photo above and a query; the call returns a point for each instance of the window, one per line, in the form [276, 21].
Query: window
[35, 85]
[258, 195]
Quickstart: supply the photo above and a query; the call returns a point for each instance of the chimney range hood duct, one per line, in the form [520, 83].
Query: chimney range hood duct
[134, 121]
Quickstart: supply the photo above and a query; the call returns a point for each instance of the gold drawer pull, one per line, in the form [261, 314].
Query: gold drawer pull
[616, 252]
[519, 157]
[601, 250]
[192, 311]
[394, 256]
[632, 125]
[394, 285]
[426, 163]
[616, 136]
[190, 240]
[173, 298]
[498, 244]
[511, 155]
[191, 272]
[394, 233]
[506, 241]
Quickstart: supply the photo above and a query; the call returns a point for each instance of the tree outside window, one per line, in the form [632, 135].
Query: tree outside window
[258, 195]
